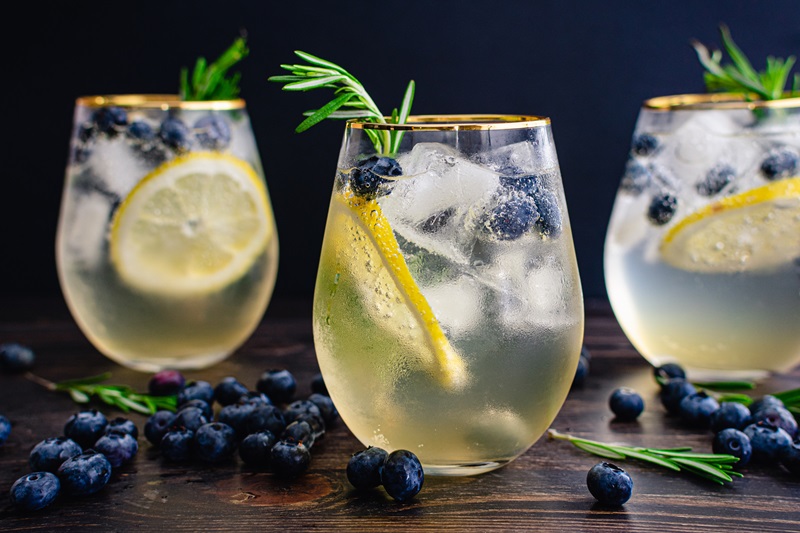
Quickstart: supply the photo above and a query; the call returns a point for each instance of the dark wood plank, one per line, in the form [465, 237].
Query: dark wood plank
[543, 490]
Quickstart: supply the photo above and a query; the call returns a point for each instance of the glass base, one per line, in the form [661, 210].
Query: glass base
[188, 363]
[468, 469]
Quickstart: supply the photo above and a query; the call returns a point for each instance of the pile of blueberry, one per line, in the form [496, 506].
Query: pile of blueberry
[15, 358]
[271, 430]
[400, 472]
[641, 175]
[173, 135]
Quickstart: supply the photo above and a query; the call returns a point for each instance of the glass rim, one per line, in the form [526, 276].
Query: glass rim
[455, 123]
[678, 102]
[157, 101]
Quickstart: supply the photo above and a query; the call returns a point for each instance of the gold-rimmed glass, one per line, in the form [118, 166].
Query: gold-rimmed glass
[702, 254]
[166, 246]
[448, 316]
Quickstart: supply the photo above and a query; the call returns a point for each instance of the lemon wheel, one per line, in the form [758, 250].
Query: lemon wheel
[193, 226]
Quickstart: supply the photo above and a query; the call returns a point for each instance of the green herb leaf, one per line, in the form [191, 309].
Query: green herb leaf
[211, 81]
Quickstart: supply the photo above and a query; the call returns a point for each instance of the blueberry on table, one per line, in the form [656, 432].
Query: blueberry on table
[15, 357]
[609, 484]
[110, 120]
[5, 429]
[581, 372]
[255, 398]
[196, 390]
[365, 467]
[86, 427]
[34, 491]
[669, 371]
[84, 474]
[662, 208]
[124, 425]
[696, 409]
[644, 144]
[166, 383]
[780, 163]
[157, 425]
[318, 385]
[300, 407]
[255, 449]
[212, 132]
[790, 458]
[175, 134]
[315, 421]
[325, 406]
[190, 418]
[50, 453]
[215, 442]
[779, 417]
[176, 445]
[278, 384]
[673, 392]
[402, 475]
[769, 442]
[265, 418]
[585, 352]
[716, 179]
[236, 416]
[118, 447]
[299, 431]
[204, 406]
[229, 390]
[764, 402]
[730, 415]
[512, 218]
[289, 458]
[368, 178]
[733, 442]
[626, 404]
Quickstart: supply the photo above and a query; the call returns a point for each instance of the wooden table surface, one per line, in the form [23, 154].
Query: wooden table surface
[545, 489]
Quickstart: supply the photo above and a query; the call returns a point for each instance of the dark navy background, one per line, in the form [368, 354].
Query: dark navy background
[586, 64]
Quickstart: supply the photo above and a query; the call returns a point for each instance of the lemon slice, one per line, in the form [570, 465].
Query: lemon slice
[192, 226]
[440, 357]
[755, 230]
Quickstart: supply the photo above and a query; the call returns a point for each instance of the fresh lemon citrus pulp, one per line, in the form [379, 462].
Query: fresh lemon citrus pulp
[193, 226]
[754, 230]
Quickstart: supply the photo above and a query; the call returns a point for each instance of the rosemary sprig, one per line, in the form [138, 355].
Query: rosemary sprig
[122, 397]
[211, 81]
[740, 76]
[711, 466]
[351, 100]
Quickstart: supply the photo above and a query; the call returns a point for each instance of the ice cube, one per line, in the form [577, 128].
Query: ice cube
[118, 165]
[440, 201]
[527, 157]
[457, 304]
[86, 222]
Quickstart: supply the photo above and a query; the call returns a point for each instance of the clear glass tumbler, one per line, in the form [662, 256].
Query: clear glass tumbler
[702, 254]
[166, 248]
[448, 315]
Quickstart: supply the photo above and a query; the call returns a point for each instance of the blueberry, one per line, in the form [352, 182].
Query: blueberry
[166, 383]
[696, 409]
[190, 418]
[662, 208]
[265, 418]
[157, 425]
[326, 407]
[299, 431]
[402, 475]
[5, 429]
[549, 222]
[15, 357]
[769, 442]
[123, 425]
[110, 120]
[673, 392]
[34, 491]
[197, 390]
[175, 134]
[779, 417]
[368, 178]
[636, 179]
[118, 447]
[300, 407]
[609, 484]
[236, 416]
[86, 427]
[255, 398]
[229, 390]
[289, 458]
[255, 449]
[437, 221]
[764, 402]
[141, 131]
[733, 442]
[315, 421]
[215, 442]
[204, 406]
[364, 468]
[581, 372]
[279, 385]
[511, 218]
[716, 179]
[668, 371]
[176, 445]
[318, 385]
[212, 132]
[585, 352]
[84, 474]
[790, 458]
[780, 163]
[730, 415]
[626, 404]
[644, 144]
[48, 454]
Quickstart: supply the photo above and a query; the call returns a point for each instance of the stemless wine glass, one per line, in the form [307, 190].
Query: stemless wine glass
[166, 249]
[448, 315]
[702, 255]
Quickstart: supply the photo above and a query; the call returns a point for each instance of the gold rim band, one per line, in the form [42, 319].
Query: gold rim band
[456, 123]
[157, 101]
[679, 102]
